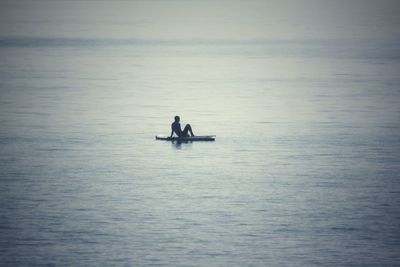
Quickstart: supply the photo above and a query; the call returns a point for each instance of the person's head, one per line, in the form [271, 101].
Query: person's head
[177, 118]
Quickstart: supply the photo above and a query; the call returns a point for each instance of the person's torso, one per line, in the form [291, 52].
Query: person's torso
[176, 127]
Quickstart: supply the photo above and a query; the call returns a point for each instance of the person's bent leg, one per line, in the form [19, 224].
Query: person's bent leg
[188, 129]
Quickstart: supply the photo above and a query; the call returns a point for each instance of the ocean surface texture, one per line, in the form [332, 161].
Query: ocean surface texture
[303, 97]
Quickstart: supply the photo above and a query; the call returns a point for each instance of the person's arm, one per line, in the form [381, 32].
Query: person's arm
[172, 133]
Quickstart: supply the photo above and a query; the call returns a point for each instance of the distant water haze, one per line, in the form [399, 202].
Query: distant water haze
[237, 20]
[303, 97]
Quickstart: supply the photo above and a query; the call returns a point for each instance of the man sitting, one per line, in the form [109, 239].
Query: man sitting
[176, 128]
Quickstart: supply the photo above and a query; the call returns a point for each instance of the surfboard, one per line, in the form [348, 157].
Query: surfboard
[187, 139]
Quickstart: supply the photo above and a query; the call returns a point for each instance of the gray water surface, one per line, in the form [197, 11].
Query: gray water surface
[304, 170]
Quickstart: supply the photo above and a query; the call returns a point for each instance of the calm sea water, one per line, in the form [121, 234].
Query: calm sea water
[304, 171]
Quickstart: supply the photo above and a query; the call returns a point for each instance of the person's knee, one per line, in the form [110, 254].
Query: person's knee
[188, 126]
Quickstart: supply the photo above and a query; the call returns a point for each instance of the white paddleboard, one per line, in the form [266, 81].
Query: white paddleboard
[188, 138]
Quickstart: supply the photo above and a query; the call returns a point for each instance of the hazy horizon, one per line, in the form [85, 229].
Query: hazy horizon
[236, 20]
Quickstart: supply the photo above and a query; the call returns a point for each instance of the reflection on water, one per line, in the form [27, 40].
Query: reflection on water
[305, 165]
[304, 168]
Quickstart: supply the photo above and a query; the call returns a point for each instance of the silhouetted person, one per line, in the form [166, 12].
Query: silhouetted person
[176, 128]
